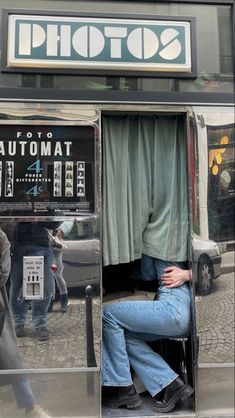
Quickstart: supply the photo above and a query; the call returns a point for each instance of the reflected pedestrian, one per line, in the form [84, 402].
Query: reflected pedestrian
[61, 232]
[31, 239]
[9, 353]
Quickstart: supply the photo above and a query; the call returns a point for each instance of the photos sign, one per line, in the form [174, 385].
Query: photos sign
[59, 42]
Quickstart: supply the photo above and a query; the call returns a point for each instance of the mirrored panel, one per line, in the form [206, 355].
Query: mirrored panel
[50, 236]
[54, 294]
[213, 144]
[72, 394]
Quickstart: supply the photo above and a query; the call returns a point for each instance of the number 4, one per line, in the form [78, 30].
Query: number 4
[35, 190]
[36, 166]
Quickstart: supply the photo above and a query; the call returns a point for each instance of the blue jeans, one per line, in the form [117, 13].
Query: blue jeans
[23, 393]
[19, 306]
[129, 325]
[58, 275]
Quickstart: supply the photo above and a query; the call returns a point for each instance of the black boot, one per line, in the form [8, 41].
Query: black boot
[165, 400]
[64, 302]
[19, 330]
[120, 396]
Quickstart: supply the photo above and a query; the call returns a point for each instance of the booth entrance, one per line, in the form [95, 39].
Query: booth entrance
[145, 169]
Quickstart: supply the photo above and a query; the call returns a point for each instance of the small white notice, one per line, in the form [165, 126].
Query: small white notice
[33, 277]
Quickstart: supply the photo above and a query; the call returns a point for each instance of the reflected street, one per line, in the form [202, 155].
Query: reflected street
[67, 344]
[215, 322]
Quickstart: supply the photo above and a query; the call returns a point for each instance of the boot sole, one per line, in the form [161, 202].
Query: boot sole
[133, 403]
[21, 335]
[43, 337]
[183, 394]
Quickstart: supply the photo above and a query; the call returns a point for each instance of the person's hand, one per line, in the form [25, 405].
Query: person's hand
[59, 233]
[174, 276]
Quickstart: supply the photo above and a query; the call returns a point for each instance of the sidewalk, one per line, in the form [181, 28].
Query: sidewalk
[228, 262]
[66, 347]
[71, 389]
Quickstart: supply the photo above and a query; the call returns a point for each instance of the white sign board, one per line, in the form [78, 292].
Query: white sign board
[33, 277]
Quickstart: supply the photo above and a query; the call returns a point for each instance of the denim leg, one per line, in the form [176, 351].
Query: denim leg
[39, 312]
[115, 361]
[58, 275]
[140, 317]
[152, 370]
[19, 311]
[40, 307]
[19, 306]
[23, 393]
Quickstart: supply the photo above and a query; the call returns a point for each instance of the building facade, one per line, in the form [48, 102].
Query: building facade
[77, 80]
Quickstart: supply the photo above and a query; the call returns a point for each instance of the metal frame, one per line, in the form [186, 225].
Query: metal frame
[103, 108]
[172, 1]
[97, 97]
[86, 71]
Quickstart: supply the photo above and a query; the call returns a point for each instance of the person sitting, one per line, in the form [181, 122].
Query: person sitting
[128, 326]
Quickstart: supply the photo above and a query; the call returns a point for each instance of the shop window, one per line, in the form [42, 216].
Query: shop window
[221, 182]
[122, 83]
[29, 80]
[46, 81]
[226, 65]
[37, 81]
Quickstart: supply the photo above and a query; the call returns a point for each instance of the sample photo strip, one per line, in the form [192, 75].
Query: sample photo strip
[81, 178]
[69, 178]
[57, 185]
[9, 179]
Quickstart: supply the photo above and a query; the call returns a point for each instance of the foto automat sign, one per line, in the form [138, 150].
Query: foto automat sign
[48, 168]
[38, 41]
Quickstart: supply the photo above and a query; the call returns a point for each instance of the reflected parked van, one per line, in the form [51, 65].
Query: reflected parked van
[81, 255]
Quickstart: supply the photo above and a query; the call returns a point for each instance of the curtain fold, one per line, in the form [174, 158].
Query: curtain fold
[144, 188]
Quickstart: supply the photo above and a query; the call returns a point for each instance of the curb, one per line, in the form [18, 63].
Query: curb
[227, 269]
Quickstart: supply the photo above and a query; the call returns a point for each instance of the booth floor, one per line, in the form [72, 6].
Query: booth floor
[183, 409]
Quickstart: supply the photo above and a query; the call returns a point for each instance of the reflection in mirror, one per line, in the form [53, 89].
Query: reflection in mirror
[56, 394]
[54, 292]
[213, 209]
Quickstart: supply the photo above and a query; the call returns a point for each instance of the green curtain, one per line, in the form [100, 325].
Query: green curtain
[144, 188]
